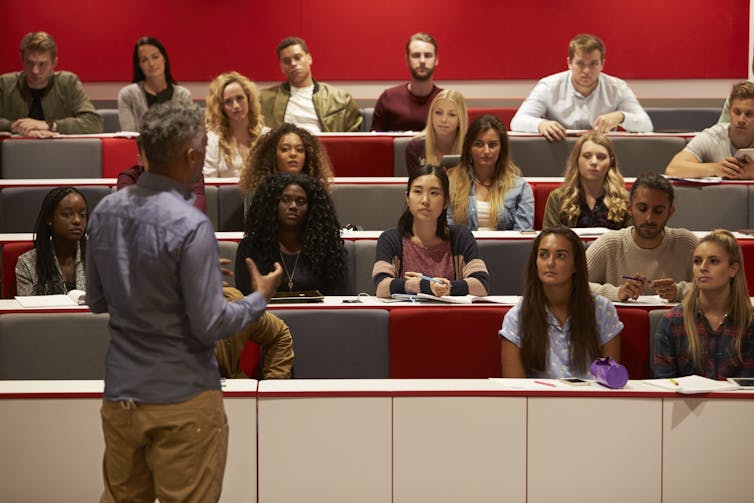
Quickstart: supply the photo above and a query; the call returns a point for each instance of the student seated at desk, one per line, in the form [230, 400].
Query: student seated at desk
[424, 253]
[487, 191]
[592, 194]
[447, 122]
[559, 327]
[710, 333]
[292, 221]
[56, 264]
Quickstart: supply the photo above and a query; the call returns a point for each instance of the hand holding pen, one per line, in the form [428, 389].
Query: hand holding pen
[439, 286]
[634, 286]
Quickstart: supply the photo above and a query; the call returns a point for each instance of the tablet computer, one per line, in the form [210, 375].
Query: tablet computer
[302, 296]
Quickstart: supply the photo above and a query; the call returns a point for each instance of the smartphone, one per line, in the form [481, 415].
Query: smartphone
[743, 382]
[574, 381]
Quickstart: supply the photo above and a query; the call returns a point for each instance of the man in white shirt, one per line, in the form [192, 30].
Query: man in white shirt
[713, 151]
[405, 107]
[581, 98]
[315, 106]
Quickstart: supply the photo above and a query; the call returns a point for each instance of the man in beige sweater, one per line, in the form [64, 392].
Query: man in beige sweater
[657, 259]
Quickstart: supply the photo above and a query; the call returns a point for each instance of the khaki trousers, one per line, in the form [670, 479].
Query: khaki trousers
[174, 452]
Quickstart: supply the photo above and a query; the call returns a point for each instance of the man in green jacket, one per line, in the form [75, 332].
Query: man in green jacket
[316, 106]
[39, 101]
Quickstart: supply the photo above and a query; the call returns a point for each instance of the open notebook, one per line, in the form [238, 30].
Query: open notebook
[691, 385]
[453, 299]
[72, 298]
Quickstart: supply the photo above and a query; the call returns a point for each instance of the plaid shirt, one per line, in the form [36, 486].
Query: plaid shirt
[672, 357]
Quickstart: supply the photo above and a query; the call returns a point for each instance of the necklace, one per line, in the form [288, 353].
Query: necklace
[293, 272]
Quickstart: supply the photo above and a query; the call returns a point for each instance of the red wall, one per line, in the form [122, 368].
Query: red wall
[484, 39]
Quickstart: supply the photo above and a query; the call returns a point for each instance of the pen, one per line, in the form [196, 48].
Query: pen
[433, 280]
[633, 278]
[546, 384]
[674, 381]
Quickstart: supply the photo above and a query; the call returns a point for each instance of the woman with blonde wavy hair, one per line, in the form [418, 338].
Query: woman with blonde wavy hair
[487, 191]
[710, 333]
[592, 194]
[234, 124]
[447, 122]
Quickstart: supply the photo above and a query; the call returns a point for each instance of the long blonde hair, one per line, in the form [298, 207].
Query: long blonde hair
[616, 195]
[462, 176]
[740, 304]
[218, 122]
[429, 135]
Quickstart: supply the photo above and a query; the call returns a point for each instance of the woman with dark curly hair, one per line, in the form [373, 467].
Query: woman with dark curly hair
[56, 264]
[292, 220]
[285, 148]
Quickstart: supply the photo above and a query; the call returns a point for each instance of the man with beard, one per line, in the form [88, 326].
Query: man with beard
[713, 151]
[301, 100]
[648, 258]
[581, 97]
[405, 107]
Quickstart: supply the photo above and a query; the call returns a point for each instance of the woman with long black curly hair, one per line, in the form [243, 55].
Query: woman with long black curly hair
[292, 220]
[56, 264]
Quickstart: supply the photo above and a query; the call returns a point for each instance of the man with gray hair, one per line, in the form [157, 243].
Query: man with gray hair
[39, 101]
[153, 266]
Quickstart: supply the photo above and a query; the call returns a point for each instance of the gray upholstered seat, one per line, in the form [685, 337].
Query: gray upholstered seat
[369, 206]
[399, 152]
[346, 344]
[641, 154]
[684, 119]
[19, 206]
[707, 207]
[53, 346]
[506, 261]
[227, 249]
[229, 209]
[211, 197]
[110, 120]
[367, 114]
[58, 158]
[538, 157]
[364, 254]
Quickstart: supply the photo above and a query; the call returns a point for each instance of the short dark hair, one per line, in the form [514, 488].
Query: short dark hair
[653, 181]
[289, 41]
[422, 37]
[166, 129]
[406, 222]
[138, 72]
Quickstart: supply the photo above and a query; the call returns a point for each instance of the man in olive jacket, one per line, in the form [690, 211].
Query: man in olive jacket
[39, 101]
[315, 106]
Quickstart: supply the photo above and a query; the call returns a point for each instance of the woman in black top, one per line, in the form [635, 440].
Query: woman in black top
[292, 220]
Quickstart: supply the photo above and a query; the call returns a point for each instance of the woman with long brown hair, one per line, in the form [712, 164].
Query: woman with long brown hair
[559, 327]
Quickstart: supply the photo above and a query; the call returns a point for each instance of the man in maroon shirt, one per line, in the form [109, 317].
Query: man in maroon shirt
[405, 107]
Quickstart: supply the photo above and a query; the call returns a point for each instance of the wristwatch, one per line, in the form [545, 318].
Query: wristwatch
[52, 126]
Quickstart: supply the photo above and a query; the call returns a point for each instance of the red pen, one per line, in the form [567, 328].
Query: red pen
[546, 384]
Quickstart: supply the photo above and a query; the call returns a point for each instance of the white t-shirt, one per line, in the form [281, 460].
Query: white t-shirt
[483, 216]
[300, 110]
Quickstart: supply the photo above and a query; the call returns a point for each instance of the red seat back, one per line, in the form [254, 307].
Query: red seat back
[360, 156]
[432, 342]
[635, 342]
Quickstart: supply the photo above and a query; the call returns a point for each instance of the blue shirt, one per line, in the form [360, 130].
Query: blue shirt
[558, 362]
[517, 212]
[153, 265]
